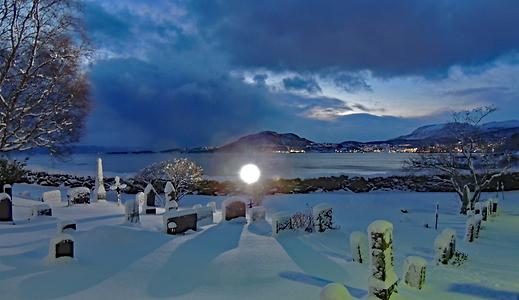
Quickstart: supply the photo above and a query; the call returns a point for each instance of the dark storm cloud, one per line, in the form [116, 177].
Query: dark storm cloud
[387, 37]
[299, 83]
[350, 82]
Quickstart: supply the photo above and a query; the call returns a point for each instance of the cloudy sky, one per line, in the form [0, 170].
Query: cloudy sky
[188, 73]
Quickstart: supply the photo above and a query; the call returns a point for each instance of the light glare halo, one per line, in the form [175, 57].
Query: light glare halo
[250, 173]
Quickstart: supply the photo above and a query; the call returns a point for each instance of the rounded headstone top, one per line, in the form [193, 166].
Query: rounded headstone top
[4, 196]
[335, 291]
[380, 226]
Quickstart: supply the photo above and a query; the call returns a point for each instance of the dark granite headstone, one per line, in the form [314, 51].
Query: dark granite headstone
[183, 223]
[6, 210]
[150, 199]
[235, 210]
[65, 248]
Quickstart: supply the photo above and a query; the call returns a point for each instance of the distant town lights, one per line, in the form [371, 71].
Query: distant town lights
[250, 173]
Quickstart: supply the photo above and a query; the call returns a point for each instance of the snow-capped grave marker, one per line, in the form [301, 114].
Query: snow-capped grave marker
[212, 205]
[52, 197]
[204, 215]
[41, 210]
[414, 271]
[149, 206]
[61, 246]
[168, 190]
[359, 246]
[118, 187]
[171, 205]
[281, 221]
[383, 279]
[6, 208]
[258, 213]
[100, 191]
[470, 229]
[140, 197]
[233, 208]
[445, 246]
[131, 208]
[494, 206]
[477, 208]
[323, 217]
[335, 291]
[8, 189]
[67, 226]
[78, 195]
[484, 212]
[179, 221]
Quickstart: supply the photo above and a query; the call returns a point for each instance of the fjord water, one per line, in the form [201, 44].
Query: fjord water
[225, 166]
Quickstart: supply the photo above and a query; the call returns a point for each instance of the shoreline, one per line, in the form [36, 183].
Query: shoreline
[356, 184]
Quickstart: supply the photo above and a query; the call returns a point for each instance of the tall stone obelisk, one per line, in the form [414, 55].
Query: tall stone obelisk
[100, 192]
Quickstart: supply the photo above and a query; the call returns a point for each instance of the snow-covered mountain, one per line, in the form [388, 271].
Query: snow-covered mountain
[267, 141]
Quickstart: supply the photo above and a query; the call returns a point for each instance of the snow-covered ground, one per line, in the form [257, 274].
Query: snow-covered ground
[240, 261]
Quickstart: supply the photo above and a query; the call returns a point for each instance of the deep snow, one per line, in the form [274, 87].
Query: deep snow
[243, 261]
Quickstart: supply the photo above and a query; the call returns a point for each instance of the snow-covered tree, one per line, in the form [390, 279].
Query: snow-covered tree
[183, 174]
[469, 162]
[11, 171]
[44, 91]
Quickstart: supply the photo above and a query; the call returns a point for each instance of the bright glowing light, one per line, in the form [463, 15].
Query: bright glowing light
[250, 173]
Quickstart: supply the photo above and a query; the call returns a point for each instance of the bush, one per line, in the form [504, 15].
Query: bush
[11, 171]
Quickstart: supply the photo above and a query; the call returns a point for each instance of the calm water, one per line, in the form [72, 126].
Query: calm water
[225, 165]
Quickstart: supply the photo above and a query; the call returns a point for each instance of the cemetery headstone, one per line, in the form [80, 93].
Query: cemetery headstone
[52, 197]
[8, 189]
[212, 205]
[78, 195]
[100, 191]
[67, 226]
[233, 208]
[179, 221]
[41, 210]
[281, 221]
[131, 208]
[414, 271]
[61, 246]
[168, 191]
[470, 229]
[149, 207]
[445, 246]
[6, 208]
[323, 217]
[383, 279]
[258, 213]
[359, 247]
[204, 215]
[118, 187]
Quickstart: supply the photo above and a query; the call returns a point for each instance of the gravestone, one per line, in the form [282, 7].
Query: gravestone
[179, 221]
[258, 213]
[61, 246]
[414, 272]
[281, 221]
[67, 226]
[470, 229]
[52, 197]
[204, 215]
[383, 279]
[100, 191]
[212, 205]
[78, 195]
[234, 209]
[8, 189]
[131, 208]
[6, 208]
[41, 210]
[359, 247]
[335, 291]
[323, 217]
[149, 206]
[445, 246]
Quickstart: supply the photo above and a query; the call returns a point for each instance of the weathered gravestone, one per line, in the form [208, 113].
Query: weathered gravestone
[258, 214]
[359, 247]
[281, 222]
[41, 210]
[414, 271]
[61, 246]
[445, 246]
[233, 208]
[179, 221]
[99, 190]
[78, 195]
[67, 226]
[335, 291]
[52, 197]
[8, 189]
[131, 208]
[323, 217]
[383, 279]
[6, 208]
[149, 206]
[204, 215]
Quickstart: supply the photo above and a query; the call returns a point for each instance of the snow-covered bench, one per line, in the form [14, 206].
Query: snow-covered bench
[78, 195]
[179, 221]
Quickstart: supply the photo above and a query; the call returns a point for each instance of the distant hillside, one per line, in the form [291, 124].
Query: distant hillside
[267, 141]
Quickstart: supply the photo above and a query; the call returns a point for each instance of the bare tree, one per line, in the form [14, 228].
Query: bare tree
[44, 92]
[469, 161]
[183, 174]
